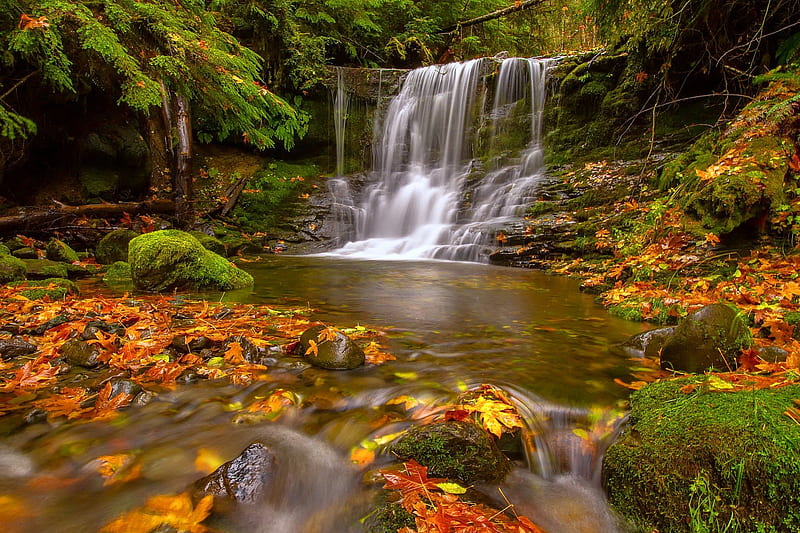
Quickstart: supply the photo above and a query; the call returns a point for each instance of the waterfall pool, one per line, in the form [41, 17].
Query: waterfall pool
[451, 326]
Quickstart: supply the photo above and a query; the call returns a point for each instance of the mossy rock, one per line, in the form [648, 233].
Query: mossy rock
[711, 338]
[44, 269]
[173, 259]
[113, 246]
[389, 518]
[5, 250]
[53, 288]
[700, 460]
[11, 268]
[456, 450]
[118, 275]
[210, 243]
[60, 251]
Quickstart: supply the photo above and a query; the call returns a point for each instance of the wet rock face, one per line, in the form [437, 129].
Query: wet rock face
[243, 479]
[456, 450]
[713, 337]
[648, 343]
[330, 348]
[16, 347]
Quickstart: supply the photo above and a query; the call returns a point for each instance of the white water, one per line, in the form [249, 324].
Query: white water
[419, 202]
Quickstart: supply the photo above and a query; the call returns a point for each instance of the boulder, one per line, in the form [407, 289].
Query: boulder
[118, 273]
[330, 348]
[243, 479]
[210, 242]
[456, 450]
[711, 338]
[58, 250]
[172, 259]
[11, 268]
[113, 246]
[648, 343]
[732, 458]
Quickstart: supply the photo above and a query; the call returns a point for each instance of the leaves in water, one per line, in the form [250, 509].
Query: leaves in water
[176, 512]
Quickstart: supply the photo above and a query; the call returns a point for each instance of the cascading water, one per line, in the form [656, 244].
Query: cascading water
[427, 196]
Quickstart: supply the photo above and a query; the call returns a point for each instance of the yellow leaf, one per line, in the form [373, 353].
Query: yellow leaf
[312, 347]
[362, 456]
[175, 511]
[233, 354]
[207, 460]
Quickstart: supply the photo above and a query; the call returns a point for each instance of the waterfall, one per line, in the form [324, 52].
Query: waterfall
[428, 195]
[341, 104]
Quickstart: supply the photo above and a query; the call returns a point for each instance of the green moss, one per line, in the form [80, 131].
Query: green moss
[210, 243]
[168, 259]
[113, 246]
[389, 518]
[271, 193]
[58, 250]
[682, 447]
[11, 268]
[53, 288]
[44, 268]
[118, 275]
[4, 250]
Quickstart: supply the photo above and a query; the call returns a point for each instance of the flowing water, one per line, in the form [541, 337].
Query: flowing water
[428, 195]
[451, 325]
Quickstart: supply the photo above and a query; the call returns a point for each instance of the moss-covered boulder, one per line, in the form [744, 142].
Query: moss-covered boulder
[5, 250]
[113, 246]
[11, 268]
[210, 243]
[58, 250]
[330, 348]
[711, 338]
[456, 450]
[169, 259]
[53, 288]
[118, 274]
[45, 269]
[707, 460]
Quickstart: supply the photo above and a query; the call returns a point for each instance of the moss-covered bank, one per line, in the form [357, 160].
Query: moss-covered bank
[699, 459]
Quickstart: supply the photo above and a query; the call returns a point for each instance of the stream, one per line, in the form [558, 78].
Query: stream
[451, 326]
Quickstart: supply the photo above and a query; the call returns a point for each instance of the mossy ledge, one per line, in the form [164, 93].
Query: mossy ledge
[697, 461]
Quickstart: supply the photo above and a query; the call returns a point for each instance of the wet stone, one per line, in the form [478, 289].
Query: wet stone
[243, 479]
[81, 353]
[62, 318]
[223, 313]
[250, 351]
[456, 450]
[124, 386]
[180, 344]
[16, 347]
[340, 353]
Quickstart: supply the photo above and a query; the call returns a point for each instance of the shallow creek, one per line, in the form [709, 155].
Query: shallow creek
[451, 326]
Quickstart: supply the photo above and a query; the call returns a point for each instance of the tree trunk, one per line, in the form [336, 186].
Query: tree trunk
[519, 6]
[184, 189]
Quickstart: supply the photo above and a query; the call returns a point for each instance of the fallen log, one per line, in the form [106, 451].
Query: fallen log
[38, 218]
[517, 6]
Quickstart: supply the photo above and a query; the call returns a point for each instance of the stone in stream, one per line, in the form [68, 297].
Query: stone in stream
[60, 251]
[648, 343]
[250, 351]
[243, 479]
[81, 353]
[456, 450]
[330, 348]
[16, 347]
[114, 246]
[713, 337]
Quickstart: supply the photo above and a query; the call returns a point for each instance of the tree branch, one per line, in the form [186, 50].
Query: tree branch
[518, 6]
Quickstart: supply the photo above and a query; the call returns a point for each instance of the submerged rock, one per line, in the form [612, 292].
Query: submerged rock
[713, 337]
[243, 479]
[44, 269]
[170, 259]
[456, 450]
[330, 348]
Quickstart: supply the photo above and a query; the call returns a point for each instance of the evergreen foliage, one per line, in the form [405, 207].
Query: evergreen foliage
[140, 52]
